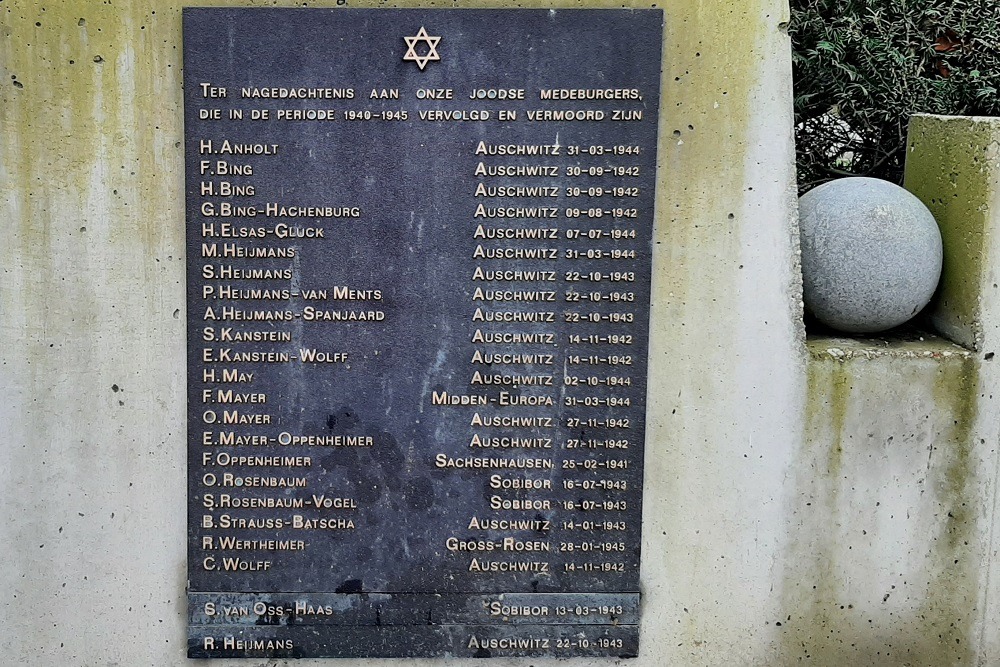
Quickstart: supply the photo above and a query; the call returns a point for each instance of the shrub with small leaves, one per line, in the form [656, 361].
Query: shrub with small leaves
[863, 67]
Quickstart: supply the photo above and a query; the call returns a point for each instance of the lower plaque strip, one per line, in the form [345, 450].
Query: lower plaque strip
[463, 641]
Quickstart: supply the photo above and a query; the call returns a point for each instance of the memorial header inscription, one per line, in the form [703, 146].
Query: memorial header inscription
[418, 294]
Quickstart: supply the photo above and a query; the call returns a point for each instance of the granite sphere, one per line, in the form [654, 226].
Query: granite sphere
[871, 254]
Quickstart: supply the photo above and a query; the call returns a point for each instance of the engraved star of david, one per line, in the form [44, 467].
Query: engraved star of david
[411, 48]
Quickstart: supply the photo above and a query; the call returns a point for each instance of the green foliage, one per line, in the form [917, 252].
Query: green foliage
[862, 67]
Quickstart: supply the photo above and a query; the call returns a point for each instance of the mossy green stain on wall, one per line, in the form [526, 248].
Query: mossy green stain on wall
[838, 390]
[812, 598]
[707, 89]
[947, 168]
[95, 177]
[954, 587]
[845, 468]
[957, 386]
[813, 607]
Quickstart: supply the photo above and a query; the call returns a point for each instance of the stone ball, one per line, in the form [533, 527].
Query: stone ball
[871, 254]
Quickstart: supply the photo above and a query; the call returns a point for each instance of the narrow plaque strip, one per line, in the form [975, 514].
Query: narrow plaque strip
[382, 609]
[459, 641]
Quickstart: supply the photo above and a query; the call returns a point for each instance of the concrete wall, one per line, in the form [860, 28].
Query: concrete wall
[92, 375]
[888, 492]
[953, 165]
[891, 557]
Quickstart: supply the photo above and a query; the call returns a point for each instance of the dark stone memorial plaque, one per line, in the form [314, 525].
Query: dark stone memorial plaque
[418, 298]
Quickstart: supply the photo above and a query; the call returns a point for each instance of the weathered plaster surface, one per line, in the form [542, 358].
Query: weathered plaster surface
[953, 165]
[91, 335]
[889, 507]
[892, 539]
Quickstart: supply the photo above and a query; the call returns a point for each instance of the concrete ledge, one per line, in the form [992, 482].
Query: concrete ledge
[910, 344]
